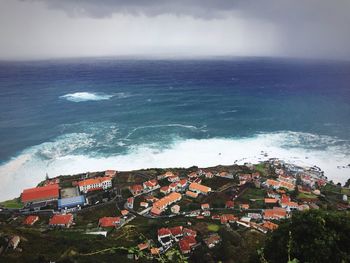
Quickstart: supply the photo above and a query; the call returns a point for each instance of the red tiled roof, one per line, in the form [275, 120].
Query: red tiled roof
[136, 187]
[156, 211]
[271, 200]
[124, 212]
[164, 232]
[176, 231]
[184, 246]
[30, 220]
[164, 188]
[110, 173]
[91, 181]
[143, 246]
[269, 225]
[183, 182]
[189, 232]
[230, 204]
[61, 219]
[109, 221]
[40, 193]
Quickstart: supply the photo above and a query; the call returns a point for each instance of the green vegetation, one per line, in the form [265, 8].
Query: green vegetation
[314, 236]
[14, 203]
[261, 168]
[253, 193]
[306, 196]
[213, 228]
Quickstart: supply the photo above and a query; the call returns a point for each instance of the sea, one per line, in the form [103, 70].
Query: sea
[68, 116]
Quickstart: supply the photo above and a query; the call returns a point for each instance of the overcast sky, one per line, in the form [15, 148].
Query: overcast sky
[40, 29]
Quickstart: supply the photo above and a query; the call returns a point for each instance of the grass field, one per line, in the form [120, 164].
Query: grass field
[308, 196]
[14, 203]
[213, 227]
[253, 193]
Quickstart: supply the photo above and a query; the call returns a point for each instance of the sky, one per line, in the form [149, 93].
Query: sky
[45, 29]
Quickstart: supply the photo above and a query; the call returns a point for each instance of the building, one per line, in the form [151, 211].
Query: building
[212, 240]
[269, 225]
[93, 184]
[208, 174]
[176, 231]
[109, 221]
[164, 236]
[271, 201]
[228, 218]
[173, 178]
[130, 203]
[110, 173]
[192, 194]
[70, 202]
[275, 213]
[61, 220]
[151, 185]
[144, 204]
[244, 206]
[14, 242]
[136, 189]
[30, 220]
[143, 246]
[165, 189]
[40, 194]
[175, 209]
[124, 212]
[230, 204]
[164, 202]
[205, 206]
[198, 188]
[186, 244]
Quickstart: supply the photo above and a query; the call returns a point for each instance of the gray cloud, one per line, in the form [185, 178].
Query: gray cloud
[315, 28]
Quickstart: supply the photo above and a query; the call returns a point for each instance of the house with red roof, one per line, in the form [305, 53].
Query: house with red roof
[40, 194]
[164, 236]
[110, 173]
[165, 189]
[173, 178]
[275, 213]
[176, 231]
[182, 184]
[205, 206]
[189, 232]
[93, 184]
[124, 212]
[230, 204]
[130, 202]
[228, 218]
[212, 240]
[208, 174]
[109, 221]
[143, 246]
[61, 220]
[186, 244]
[173, 186]
[193, 175]
[30, 220]
[151, 185]
[136, 189]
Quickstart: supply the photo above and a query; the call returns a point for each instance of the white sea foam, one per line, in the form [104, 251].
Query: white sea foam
[29, 168]
[90, 96]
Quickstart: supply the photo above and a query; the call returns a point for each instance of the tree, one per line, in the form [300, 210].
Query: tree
[313, 236]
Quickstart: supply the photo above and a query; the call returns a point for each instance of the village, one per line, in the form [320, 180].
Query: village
[163, 213]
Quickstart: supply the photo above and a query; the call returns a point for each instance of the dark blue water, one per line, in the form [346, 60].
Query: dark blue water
[104, 107]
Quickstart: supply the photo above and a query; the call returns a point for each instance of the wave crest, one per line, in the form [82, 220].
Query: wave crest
[86, 96]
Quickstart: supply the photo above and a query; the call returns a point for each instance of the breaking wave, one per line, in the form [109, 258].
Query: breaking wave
[91, 96]
[79, 152]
